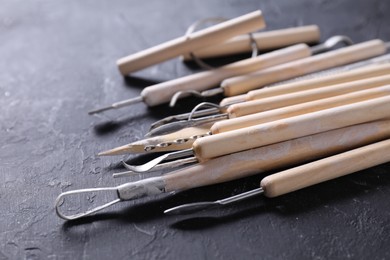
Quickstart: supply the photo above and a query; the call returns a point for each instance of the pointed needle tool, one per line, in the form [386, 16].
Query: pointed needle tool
[170, 142]
[117, 105]
[232, 166]
[163, 92]
[304, 176]
[282, 106]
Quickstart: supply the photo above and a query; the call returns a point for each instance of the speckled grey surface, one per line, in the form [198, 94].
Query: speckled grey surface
[57, 60]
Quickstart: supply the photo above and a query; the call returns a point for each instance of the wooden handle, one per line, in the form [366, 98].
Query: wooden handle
[281, 130]
[233, 100]
[299, 109]
[270, 40]
[163, 92]
[242, 84]
[356, 74]
[271, 157]
[209, 36]
[326, 169]
[255, 106]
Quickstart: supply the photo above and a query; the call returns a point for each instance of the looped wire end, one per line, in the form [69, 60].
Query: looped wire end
[60, 201]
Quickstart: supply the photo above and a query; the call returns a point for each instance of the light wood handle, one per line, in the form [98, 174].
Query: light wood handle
[163, 92]
[356, 74]
[209, 36]
[271, 157]
[264, 41]
[299, 109]
[289, 128]
[242, 84]
[326, 169]
[255, 106]
[233, 100]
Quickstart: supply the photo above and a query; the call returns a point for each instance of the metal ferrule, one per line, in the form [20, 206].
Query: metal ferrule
[142, 188]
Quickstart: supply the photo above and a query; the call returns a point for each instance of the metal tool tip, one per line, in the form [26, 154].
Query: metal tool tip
[99, 110]
[190, 208]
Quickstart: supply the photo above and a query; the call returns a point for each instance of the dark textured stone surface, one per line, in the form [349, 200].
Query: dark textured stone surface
[57, 61]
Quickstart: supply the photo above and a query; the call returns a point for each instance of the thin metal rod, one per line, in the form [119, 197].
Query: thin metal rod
[124, 103]
[197, 206]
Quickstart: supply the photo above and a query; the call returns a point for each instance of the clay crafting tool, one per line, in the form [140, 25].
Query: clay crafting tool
[360, 70]
[234, 166]
[279, 101]
[192, 84]
[242, 84]
[305, 175]
[184, 138]
[264, 41]
[206, 37]
[213, 146]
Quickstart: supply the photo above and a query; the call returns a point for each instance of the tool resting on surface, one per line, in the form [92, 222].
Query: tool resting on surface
[255, 136]
[183, 139]
[243, 84]
[364, 69]
[206, 37]
[213, 146]
[269, 40]
[238, 165]
[162, 92]
[305, 175]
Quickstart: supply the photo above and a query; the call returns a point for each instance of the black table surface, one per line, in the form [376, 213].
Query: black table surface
[58, 61]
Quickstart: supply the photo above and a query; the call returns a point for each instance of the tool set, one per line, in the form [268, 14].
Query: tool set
[320, 109]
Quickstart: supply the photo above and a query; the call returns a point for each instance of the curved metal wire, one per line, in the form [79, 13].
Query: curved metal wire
[59, 202]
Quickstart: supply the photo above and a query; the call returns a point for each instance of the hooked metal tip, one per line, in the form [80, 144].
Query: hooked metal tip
[159, 167]
[153, 163]
[191, 208]
[179, 125]
[116, 105]
[60, 198]
[186, 93]
[330, 43]
[181, 94]
[185, 116]
[166, 126]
